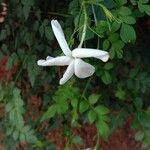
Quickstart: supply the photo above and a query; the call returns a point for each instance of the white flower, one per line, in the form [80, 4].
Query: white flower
[72, 58]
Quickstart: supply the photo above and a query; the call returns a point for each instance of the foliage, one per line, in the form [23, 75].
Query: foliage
[15, 125]
[118, 89]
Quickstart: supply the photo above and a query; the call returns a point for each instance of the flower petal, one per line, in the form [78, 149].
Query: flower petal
[83, 69]
[68, 73]
[60, 37]
[49, 57]
[58, 61]
[87, 52]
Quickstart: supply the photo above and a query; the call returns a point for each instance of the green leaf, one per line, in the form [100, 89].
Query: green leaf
[120, 93]
[128, 19]
[121, 2]
[18, 120]
[143, 1]
[9, 131]
[83, 106]
[9, 107]
[144, 118]
[118, 45]
[77, 140]
[101, 27]
[139, 136]
[26, 129]
[106, 78]
[115, 26]
[79, 21]
[94, 98]
[48, 33]
[106, 44]
[147, 9]
[3, 35]
[145, 144]
[12, 60]
[27, 4]
[91, 116]
[22, 137]
[113, 37]
[89, 34]
[74, 7]
[125, 11]
[103, 129]
[15, 134]
[49, 113]
[138, 102]
[33, 69]
[101, 110]
[127, 33]
[141, 7]
[108, 66]
[74, 102]
[62, 107]
[2, 93]
[30, 137]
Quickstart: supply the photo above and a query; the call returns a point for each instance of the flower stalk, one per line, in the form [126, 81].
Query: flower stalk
[84, 25]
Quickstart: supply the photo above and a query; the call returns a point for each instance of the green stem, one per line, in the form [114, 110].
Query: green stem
[95, 32]
[95, 19]
[84, 25]
[86, 86]
[20, 70]
[93, 10]
[97, 143]
[58, 14]
[55, 13]
[72, 35]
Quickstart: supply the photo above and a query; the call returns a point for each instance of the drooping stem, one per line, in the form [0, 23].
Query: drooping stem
[94, 14]
[95, 19]
[84, 25]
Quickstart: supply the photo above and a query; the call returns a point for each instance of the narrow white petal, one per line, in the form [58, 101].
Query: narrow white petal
[68, 73]
[60, 37]
[83, 69]
[49, 57]
[87, 52]
[58, 61]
